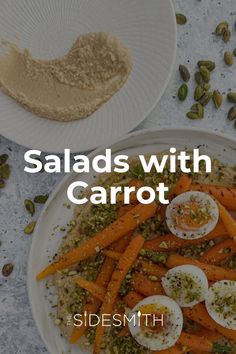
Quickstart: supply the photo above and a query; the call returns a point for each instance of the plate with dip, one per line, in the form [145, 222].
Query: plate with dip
[114, 57]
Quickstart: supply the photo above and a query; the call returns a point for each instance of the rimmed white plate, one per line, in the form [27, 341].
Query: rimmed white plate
[49, 28]
[55, 213]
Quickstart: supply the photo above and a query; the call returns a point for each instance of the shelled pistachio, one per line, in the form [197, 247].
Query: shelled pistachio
[181, 19]
[217, 99]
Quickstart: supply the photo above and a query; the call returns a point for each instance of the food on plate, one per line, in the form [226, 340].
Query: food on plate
[67, 88]
[221, 303]
[186, 284]
[192, 215]
[156, 332]
[116, 257]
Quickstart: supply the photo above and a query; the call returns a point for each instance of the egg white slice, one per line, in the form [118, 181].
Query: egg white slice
[205, 203]
[168, 334]
[221, 303]
[186, 284]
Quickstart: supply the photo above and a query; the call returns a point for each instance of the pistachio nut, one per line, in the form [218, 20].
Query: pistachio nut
[206, 86]
[181, 19]
[234, 52]
[183, 92]
[198, 93]
[199, 79]
[199, 109]
[226, 35]
[192, 115]
[228, 58]
[205, 99]
[184, 73]
[5, 171]
[205, 73]
[41, 199]
[232, 113]
[217, 99]
[29, 206]
[221, 27]
[3, 159]
[29, 229]
[231, 96]
[210, 65]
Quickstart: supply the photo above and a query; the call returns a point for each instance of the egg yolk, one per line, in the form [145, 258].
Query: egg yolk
[191, 215]
[155, 320]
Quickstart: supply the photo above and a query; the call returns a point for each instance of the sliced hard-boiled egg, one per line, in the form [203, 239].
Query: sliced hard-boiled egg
[221, 303]
[186, 284]
[192, 215]
[156, 322]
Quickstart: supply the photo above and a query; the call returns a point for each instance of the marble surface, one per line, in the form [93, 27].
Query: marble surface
[18, 333]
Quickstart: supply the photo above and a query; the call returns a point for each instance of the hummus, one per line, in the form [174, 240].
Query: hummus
[70, 87]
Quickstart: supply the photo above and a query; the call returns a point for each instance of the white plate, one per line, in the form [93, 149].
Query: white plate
[49, 28]
[55, 213]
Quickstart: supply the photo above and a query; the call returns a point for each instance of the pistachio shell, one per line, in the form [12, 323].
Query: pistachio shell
[226, 35]
[181, 19]
[29, 206]
[198, 93]
[210, 65]
[41, 199]
[205, 73]
[221, 27]
[29, 229]
[228, 58]
[3, 159]
[231, 96]
[183, 92]
[184, 73]
[5, 171]
[232, 113]
[217, 99]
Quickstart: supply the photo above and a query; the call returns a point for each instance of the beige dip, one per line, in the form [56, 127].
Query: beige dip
[70, 87]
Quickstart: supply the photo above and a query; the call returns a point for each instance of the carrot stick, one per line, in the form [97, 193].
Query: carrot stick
[194, 342]
[146, 287]
[199, 314]
[124, 332]
[213, 272]
[226, 196]
[137, 183]
[102, 280]
[103, 239]
[153, 269]
[219, 252]
[132, 299]
[123, 266]
[213, 336]
[95, 290]
[228, 221]
[170, 242]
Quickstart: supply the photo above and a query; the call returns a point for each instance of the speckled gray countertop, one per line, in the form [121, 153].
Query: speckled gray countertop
[18, 333]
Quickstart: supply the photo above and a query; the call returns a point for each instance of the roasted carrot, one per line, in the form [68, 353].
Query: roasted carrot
[219, 252]
[153, 269]
[132, 299]
[213, 272]
[182, 186]
[123, 266]
[173, 350]
[226, 196]
[194, 342]
[199, 314]
[103, 239]
[94, 289]
[137, 183]
[170, 242]
[112, 254]
[146, 287]
[213, 336]
[124, 332]
[102, 280]
[228, 221]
